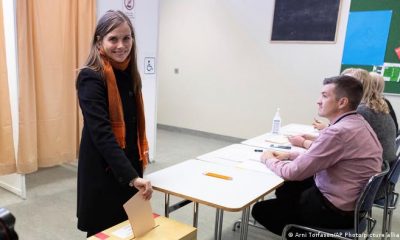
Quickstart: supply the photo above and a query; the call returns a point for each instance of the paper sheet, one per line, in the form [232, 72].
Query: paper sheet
[298, 129]
[123, 232]
[255, 166]
[233, 154]
[140, 214]
[273, 138]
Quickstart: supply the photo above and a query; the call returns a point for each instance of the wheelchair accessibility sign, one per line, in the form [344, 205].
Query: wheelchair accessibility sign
[149, 65]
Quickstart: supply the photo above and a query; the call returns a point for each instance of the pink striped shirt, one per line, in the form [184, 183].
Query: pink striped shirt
[342, 159]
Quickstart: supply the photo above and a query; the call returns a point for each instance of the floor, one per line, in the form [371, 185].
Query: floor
[48, 213]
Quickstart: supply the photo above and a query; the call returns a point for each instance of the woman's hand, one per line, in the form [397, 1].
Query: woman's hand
[144, 186]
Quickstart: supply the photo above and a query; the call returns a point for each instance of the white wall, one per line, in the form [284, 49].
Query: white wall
[231, 77]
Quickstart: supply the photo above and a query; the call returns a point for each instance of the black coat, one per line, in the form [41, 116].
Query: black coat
[104, 169]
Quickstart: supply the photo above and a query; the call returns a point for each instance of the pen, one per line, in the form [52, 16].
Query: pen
[258, 150]
[280, 146]
[216, 175]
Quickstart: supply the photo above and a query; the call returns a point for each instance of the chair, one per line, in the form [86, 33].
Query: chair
[389, 202]
[361, 217]
[397, 144]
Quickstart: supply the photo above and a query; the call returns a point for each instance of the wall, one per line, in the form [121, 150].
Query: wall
[231, 77]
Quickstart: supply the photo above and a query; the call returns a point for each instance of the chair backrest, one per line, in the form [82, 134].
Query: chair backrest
[393, 175]
[367, 197]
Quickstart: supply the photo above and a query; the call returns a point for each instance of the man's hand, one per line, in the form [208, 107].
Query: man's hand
[266, 155]
[317, 124]
[310, 137]
[297, 140]
[281, 155]
[274, 154]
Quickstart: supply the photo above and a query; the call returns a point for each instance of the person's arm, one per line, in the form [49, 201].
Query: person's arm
[311, 137]
[307, 143]
[300, 141]
[317, 124]
[274, 154]
[324, 152]
[296, 140]
[143, 185]
[93, 101]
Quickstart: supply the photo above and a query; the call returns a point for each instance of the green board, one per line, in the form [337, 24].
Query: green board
[393, 38]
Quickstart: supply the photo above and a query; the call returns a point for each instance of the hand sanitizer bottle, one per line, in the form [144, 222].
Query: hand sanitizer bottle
[276, 123]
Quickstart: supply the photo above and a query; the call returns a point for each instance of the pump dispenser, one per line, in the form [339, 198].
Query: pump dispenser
[276, 123]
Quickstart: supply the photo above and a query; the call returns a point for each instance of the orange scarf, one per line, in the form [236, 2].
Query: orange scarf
[116, 111]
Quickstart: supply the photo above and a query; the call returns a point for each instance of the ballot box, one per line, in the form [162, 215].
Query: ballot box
[165, 229]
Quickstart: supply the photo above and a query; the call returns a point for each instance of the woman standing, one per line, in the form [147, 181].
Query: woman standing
[114, 149]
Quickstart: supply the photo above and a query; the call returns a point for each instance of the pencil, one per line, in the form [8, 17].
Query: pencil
[216, 175]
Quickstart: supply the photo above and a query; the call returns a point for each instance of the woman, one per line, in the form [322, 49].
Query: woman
[113, 150]
[375, 110]
[381, 85]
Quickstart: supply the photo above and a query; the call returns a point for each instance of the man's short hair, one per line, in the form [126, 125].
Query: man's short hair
[347, 86]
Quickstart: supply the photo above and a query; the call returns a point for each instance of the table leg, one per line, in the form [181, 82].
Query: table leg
[166, 205]
[219, 216]
[195, 214]
[245, 223]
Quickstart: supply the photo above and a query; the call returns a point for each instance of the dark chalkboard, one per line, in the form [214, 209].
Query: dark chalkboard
[305, 20]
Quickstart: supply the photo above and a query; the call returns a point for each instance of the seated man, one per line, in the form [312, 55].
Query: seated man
[325, 181]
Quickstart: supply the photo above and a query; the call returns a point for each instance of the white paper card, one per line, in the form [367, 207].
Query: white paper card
[123, 232]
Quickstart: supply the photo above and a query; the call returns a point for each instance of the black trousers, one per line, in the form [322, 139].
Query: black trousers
[300, 203]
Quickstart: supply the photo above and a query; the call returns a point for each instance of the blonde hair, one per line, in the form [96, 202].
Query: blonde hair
[372, 89]
[378, 83]
[357, 73]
